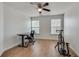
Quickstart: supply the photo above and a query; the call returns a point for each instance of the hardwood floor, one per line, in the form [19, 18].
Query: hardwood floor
[41, 48]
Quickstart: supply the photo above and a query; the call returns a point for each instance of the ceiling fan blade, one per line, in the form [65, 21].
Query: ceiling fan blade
[46, 4]
[39, 5]
[46, 9]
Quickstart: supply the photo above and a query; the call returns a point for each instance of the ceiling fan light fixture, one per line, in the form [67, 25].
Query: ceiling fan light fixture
[39, 9]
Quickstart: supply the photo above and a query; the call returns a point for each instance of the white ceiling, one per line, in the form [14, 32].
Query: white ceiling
[26, 7]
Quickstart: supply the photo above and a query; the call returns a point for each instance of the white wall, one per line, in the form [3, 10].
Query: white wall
[45, 26]
[1, 28]
[15, 23]
[71, 27]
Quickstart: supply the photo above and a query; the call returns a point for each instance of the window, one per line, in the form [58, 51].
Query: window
[35, 26]
[55, 25]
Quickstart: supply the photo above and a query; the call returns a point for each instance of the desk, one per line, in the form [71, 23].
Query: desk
[22, 35]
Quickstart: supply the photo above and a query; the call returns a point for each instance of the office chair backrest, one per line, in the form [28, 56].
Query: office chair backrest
[32, 33]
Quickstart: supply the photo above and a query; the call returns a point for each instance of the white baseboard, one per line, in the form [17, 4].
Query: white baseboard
[1, 52]
[46, 38]
[74, 51]
[11, 46]
[5, 49]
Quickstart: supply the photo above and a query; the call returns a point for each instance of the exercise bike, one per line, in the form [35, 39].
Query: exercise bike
[63, 48]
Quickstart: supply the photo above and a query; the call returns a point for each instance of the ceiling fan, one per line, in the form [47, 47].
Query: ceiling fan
[41, 6]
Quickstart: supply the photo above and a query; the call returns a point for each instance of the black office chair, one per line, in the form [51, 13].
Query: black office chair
[30, 37]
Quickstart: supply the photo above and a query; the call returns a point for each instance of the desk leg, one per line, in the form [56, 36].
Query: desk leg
[22, 41]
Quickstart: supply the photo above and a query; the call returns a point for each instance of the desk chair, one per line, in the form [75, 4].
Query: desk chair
[30, 37]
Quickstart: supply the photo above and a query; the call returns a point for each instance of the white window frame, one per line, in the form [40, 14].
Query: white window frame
[35, 27]
[56, 26]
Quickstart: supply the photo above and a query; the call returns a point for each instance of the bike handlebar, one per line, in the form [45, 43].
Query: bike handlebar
[59, 30]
